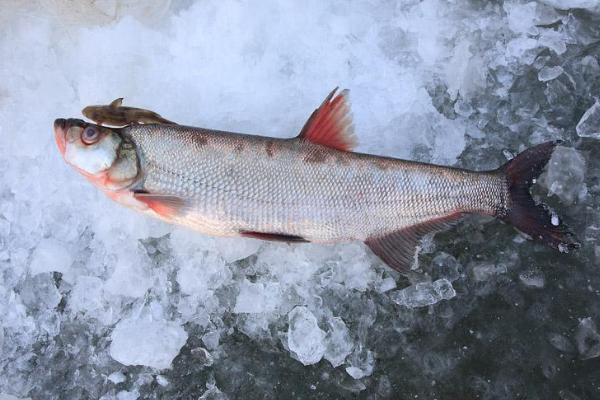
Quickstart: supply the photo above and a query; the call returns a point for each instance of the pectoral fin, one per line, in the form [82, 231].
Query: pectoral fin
[166, 206]
[398, 249]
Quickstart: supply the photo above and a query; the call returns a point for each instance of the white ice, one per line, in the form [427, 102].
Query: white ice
[147, 338]
[589, 124]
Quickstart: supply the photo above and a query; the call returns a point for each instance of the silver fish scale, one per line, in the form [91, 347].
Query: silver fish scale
[232, 182]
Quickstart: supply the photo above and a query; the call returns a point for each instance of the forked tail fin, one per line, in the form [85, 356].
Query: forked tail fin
[522, 212]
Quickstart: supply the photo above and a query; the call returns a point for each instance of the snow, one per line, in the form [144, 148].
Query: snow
[96, 300]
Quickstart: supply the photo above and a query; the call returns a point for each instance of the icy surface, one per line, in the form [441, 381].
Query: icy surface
[97, 301]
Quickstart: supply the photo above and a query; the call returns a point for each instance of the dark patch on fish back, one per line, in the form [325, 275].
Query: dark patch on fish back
[239, 147]
[269, 148]
[274, 237]
[316, 156]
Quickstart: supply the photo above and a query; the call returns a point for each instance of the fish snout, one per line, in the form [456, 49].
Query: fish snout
[60, 129]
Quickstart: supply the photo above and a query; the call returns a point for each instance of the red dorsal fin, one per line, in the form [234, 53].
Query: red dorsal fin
[331, 125]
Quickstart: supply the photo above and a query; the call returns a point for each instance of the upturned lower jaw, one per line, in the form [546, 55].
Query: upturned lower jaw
[59, 134]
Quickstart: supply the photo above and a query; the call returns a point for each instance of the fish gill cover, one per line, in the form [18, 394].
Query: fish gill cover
[99, 302]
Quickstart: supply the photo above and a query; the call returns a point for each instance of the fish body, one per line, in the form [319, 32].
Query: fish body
[115, 114]
[310, 188]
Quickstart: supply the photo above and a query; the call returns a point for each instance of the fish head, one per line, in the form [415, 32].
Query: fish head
[103, 155]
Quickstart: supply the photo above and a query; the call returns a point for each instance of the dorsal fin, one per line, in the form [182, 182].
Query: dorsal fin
[398, 249]
[331, 125]
[116, 103]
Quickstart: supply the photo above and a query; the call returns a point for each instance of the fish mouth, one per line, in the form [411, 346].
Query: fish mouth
[60, 131]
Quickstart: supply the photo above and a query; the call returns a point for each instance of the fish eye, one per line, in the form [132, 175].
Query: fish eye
[90, 135]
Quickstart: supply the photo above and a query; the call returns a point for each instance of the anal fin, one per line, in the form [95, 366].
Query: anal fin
[398, 249]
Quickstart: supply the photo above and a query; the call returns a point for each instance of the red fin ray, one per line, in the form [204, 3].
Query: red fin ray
[330, 125]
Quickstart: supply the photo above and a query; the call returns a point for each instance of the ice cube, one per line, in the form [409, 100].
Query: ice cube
[484, 272]
[549, 73]
[361, 363]
[51, 255]
[533, 279]
[257, 297]
[589, 124]
[117, 377]
[565, 175]
[305, 339]
[424, 293]
[339, 342]
[144, 340]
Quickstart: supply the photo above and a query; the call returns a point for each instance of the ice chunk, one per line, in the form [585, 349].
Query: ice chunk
[51, 255]
[211, 339]
[565, 175]
[591, 5]
[339, 342]
[4, 396]
[202, 356]
[361, 363]
[144, 340]
[39, 292]
[161, 380]
[424, 293]
[131, 276]
[128, 395]
[561, 343]
[484, 272]
[203, 274]
[117, 377]
[386, 284]
[213, 393]
[589, 124]
[305, 339]
[532, 279]
[549, 73]
[257, 297]
[588, 339]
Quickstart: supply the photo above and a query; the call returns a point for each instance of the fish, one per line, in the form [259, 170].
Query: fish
[115, 114]
[308, 188]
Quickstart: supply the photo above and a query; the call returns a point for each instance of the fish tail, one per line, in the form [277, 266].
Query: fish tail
[521, 210]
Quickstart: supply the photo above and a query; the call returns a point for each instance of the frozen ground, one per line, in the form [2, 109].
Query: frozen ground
[99, 302]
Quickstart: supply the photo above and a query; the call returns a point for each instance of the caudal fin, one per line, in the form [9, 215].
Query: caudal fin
[522, 212]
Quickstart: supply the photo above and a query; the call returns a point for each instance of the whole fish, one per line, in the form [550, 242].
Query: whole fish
[311, 188]
[115, 114]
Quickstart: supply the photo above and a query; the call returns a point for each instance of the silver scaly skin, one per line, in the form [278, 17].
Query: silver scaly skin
[234, 183]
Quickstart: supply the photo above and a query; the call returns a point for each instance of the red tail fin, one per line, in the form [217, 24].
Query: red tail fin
[530, 218]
